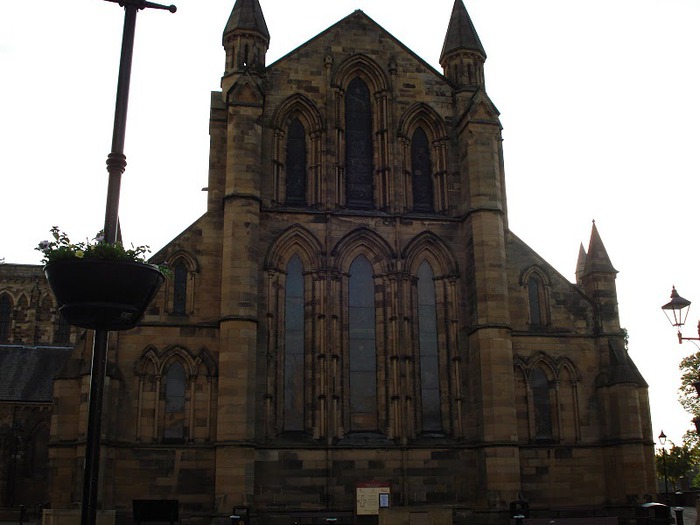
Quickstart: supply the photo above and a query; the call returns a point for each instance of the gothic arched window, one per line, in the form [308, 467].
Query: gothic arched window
[428, 348]
[180, 287]
[175, 387]
[421, 167]
[62, 331]
[359, 171]
[534, 298]
[296, 164]
[542, 404]
[5, 318]
[362, 347]
[294, 347]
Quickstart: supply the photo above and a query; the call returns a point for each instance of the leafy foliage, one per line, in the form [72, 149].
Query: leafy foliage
[688, 396]
[61, 248]
[681, 461]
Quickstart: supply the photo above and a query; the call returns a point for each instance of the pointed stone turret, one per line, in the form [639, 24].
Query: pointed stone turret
[598, 282]
[580, 264]
[462, 58]
[597, 259]
[246, 38]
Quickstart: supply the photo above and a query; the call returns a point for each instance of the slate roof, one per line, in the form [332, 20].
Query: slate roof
[27, 372]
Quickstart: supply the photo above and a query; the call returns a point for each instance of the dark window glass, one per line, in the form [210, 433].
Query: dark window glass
[36, 461]
[62, 333]
[533, 296]
[543, 407]
[362, 347]
[358, 146]
[294, 347]
[179, 288]
[296, 164]
[174, 426]
[422, 172]
[428, 343]
[5, 313]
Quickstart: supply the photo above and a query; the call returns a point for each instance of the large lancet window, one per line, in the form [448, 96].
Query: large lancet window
[535, 293]
[5, 314]
[428, 345]
[180, 288]
[362, 347]
[294, 347]
[542, 404]
[421, 167]
[296, 164]
[359, 172]
[175, 386]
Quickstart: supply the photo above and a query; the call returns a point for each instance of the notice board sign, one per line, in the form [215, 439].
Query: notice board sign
[369, 496]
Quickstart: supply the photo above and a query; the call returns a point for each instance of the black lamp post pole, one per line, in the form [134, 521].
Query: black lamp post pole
[116, 163]
[668, 499]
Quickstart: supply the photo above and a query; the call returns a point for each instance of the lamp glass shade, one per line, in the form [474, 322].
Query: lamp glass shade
[676, 309]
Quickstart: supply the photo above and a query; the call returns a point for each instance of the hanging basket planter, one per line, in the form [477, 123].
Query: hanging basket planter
[103, 294]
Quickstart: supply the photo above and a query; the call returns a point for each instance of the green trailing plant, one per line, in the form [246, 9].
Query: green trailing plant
[61, 248]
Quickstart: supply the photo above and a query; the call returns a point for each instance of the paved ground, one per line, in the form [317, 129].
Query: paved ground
[689, 516]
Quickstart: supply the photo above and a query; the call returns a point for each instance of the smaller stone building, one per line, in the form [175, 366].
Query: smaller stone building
[35, 343]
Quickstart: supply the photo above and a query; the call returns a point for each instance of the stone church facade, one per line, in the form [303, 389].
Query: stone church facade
[352, 314]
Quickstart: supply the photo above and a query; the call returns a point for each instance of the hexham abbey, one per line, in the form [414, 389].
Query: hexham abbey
[352, 333]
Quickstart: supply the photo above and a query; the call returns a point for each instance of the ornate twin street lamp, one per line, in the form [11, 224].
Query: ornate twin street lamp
[676, 311]
[116, 163]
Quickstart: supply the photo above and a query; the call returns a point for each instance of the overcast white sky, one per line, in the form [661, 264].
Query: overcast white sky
[599, 102]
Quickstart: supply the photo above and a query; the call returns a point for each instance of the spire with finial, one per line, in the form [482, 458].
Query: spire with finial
[246, 38]
[580, 264]
[597, 259]
[462, 58]
[598, 283]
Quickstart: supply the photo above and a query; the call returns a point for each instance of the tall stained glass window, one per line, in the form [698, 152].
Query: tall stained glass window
[362, 347]
[294, 347]
[428, 343]
[358, 146]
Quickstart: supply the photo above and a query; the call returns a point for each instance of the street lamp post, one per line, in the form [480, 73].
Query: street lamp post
[662, 440]
[676, 311]
[116, 163]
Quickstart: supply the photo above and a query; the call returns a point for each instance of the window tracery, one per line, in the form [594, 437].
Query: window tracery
[363, 178]
[328, 341]
[423, 139]
[179, 291]
[296, 154]
[546, 398]
[175, 395]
